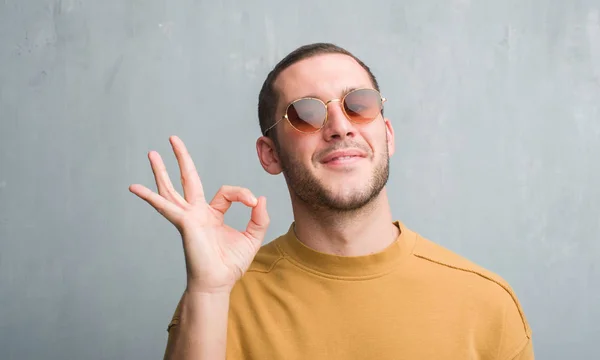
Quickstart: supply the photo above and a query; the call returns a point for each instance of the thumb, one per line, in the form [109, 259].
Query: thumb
[259, 220]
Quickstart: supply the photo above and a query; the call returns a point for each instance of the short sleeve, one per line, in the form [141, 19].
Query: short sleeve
[516, 343]
[176, 317]
[526, 353]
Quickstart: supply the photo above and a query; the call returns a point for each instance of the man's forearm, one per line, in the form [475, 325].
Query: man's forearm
[201, 332]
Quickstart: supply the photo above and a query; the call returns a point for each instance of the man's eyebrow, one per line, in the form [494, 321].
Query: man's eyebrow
[347, 90]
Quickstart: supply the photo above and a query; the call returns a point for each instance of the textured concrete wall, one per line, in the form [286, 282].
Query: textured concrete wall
[496, 107]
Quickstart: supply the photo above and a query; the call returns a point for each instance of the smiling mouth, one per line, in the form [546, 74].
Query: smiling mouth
[345, 157]
[345, 160]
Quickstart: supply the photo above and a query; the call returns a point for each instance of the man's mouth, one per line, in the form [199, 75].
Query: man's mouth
[343, 156]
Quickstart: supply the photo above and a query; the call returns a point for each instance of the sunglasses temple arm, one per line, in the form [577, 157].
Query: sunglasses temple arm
[275, 124]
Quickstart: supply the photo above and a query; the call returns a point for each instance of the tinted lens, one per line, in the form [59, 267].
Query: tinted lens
[362, 105]
[307, 115]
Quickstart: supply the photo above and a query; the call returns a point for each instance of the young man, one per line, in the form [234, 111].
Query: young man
[346, 281]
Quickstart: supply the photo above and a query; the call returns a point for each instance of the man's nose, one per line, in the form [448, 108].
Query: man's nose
[338, 126]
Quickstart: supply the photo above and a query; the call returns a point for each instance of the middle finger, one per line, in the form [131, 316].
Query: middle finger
[163, 183]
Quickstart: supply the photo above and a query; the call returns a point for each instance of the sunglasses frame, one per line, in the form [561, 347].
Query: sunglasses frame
[326, 104]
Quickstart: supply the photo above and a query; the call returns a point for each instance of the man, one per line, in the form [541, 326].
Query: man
[346, 281]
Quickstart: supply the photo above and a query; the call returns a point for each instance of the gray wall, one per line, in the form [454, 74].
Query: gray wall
[496, 106]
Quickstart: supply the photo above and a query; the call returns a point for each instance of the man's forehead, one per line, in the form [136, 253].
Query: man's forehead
[329, 75]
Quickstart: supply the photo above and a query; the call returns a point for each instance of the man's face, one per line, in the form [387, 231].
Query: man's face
[338, 183]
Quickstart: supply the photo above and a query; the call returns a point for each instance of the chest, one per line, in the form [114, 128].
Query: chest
[347, 323]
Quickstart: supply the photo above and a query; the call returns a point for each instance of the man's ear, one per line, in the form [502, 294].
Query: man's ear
[267, 155]
[391, 143]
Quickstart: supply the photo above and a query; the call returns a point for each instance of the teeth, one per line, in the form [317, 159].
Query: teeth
[343, 157]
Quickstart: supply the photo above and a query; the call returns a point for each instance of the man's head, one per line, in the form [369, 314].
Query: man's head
[311, 162]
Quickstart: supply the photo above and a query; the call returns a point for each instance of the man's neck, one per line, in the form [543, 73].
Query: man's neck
[362, 232]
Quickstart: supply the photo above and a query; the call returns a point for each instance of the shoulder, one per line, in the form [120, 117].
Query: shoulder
[456, 270]
[266, 258]
[452, 263]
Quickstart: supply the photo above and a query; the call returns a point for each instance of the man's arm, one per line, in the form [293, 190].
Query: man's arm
[199, 327]
[216, 255]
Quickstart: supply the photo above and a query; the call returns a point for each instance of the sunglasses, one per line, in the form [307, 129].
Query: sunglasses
[309, 115]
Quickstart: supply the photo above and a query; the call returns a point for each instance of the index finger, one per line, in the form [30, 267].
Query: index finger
[228, 194]
[190, 181]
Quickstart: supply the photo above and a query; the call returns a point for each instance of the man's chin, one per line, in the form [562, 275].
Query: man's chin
[347, 201]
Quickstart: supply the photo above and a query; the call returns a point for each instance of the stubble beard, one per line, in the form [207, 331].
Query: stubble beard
[307, 188]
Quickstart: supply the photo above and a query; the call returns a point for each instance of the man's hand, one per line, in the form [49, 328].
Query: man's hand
[216, 255]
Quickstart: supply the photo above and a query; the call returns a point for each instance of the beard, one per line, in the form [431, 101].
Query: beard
[315, 194]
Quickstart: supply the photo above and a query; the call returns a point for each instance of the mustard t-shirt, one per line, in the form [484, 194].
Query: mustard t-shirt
[413, 300]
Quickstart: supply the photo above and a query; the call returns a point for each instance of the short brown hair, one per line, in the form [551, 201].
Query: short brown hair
[268, 96]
